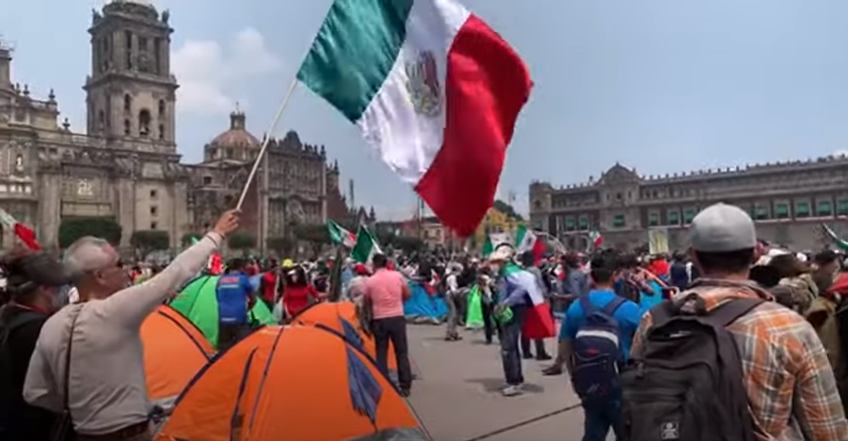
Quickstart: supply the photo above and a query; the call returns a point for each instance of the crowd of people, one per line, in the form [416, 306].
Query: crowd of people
[734, 340]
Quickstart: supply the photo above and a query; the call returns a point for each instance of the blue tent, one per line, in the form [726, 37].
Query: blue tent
[422, 307]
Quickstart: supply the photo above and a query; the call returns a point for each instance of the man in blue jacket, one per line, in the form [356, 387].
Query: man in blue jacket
[235, 298]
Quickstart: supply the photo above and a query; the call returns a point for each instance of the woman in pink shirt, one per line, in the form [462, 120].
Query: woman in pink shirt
[386, 291]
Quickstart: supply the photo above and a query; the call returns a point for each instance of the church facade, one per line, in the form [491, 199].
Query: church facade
[788, 202]
[126, 166]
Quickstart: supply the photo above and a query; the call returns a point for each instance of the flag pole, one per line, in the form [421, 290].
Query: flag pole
[266, 141]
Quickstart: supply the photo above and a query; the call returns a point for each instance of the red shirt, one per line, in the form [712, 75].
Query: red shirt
[296, 298]
[269, 282]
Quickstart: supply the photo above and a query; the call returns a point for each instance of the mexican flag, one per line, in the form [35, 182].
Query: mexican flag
[538, 323]
[23, 232]
[596, 238]
[340, 236]
[526, 240]
[433, 89]
[366, 246]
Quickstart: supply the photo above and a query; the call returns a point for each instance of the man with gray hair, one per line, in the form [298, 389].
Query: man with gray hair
[93, 352]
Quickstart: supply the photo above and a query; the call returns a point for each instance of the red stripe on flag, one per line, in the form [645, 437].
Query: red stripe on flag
[27, 236]
[487, 84]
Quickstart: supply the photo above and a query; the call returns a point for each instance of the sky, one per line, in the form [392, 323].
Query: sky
[660, 85]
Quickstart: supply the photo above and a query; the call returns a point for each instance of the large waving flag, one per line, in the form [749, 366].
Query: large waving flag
[23, 232]
[366, 246]
[538, 323]
[828, 232]
[434, 90]
[526, 240]
[340, 236]
[493, 240]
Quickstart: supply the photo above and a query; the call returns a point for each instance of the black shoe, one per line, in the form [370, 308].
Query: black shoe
[405, 392]
[527, 356]
[552, 370]
[543, 357]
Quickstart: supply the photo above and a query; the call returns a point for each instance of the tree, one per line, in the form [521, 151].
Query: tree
[408, 244]
[72, 229]
[317, 234]
[281, 245]
[147, 241]
[189, 239]
[241, 241]
[507, 209]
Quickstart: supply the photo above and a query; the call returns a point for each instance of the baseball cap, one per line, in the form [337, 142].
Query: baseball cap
[722, 228]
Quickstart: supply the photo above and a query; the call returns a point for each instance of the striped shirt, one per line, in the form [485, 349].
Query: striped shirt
[780, 354]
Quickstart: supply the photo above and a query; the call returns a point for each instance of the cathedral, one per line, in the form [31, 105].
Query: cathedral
[126, 166]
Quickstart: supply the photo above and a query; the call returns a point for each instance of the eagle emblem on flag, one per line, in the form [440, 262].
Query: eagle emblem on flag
[423, 85]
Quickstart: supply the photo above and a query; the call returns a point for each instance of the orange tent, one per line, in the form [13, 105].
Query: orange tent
[293, 382]
[174, 352]
[332, 315]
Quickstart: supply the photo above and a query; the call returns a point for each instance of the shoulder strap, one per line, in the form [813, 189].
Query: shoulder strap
[616, 301]
[588, 307]
[730, 311]
[66, 397]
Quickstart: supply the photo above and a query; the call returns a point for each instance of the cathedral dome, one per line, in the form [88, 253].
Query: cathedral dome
[234, 144]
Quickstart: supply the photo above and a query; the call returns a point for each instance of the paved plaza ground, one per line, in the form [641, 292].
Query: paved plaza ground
[457, 393]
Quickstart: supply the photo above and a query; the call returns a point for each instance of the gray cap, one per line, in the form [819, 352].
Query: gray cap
[722, 228]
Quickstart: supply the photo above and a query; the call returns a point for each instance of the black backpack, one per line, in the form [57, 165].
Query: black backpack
[7, 330]
[686, 384]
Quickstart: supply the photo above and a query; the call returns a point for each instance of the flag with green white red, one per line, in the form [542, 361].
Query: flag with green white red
[526, 240]
[340, 236]
[366, 246]
[493, 240]
[434, 90]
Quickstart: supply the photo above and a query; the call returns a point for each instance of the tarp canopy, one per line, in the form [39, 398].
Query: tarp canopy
[295, 383]
[198, 302]
[174, 352]
[342, 318]
[422, 307]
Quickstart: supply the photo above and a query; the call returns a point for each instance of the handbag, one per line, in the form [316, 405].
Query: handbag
[63, 428]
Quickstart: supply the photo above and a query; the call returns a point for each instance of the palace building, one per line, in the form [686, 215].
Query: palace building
[126, 166]
[787, 200]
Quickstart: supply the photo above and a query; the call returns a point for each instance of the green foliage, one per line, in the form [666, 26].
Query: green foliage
[241, 241]
[507, 209]
[315, 234]
[282, 245]
[189, 238]
[72, 229]
[146, 241]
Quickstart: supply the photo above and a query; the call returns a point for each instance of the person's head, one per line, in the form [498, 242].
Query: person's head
[722, 239]
[827, 261]
[236, 264]
[96, 268]
[788, 266]
[35, 280]
[604, 269]
[501, 255]
[528, 259]
[379, 261]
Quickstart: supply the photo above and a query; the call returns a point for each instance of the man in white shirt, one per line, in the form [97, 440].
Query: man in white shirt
[107, 393]
[452, 298]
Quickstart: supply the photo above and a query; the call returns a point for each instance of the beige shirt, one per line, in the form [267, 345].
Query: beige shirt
[107, 381]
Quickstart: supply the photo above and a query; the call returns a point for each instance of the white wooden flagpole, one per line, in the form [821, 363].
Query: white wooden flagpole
[267, 139]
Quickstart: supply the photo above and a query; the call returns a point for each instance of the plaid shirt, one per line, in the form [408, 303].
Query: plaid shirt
[780, 354]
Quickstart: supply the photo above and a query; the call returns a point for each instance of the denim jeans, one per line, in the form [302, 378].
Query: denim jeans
[600, 418]
[510, 346]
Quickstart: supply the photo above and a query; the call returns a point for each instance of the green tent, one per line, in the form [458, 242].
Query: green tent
[198, 303]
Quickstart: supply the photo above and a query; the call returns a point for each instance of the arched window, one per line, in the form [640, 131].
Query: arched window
[127, 103]
[144, 123]
[101, 120]
[161, 108]
[127, 127]
[161, 132]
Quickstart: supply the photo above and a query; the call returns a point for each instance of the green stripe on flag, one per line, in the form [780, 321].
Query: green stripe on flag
[366, 246]
[354, 52]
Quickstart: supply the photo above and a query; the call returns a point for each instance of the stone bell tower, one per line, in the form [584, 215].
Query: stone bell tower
[131, 94]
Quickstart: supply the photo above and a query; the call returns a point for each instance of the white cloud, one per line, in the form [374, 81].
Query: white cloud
[207, 73]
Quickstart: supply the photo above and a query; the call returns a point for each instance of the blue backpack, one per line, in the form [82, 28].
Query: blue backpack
[597, 352]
